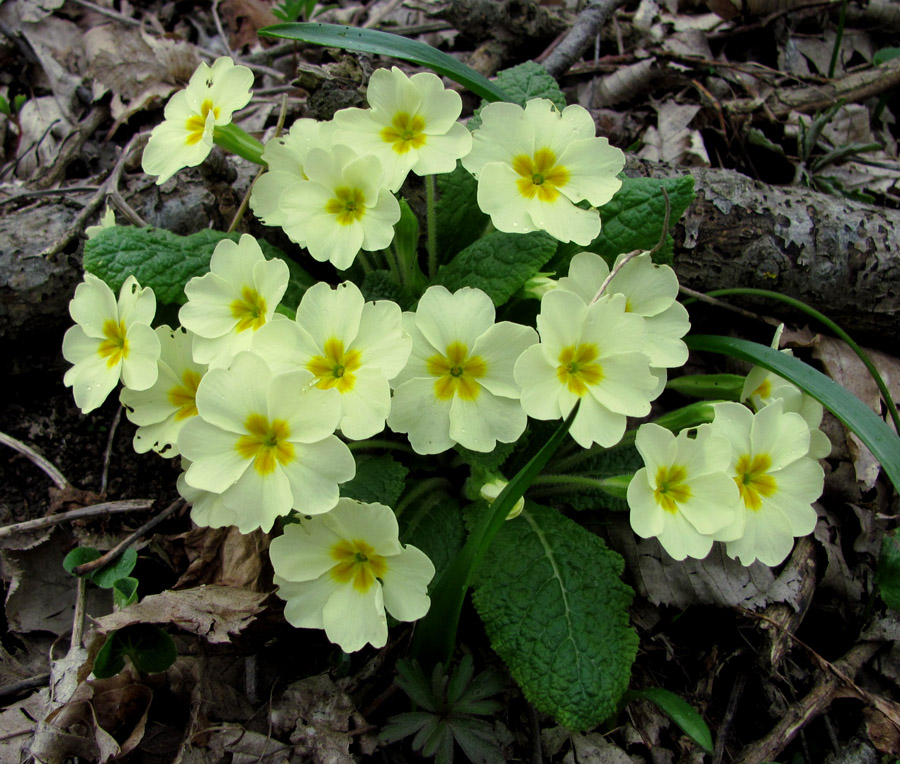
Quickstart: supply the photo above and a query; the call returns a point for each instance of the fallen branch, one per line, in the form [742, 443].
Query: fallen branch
[580, 37]
[82, 513]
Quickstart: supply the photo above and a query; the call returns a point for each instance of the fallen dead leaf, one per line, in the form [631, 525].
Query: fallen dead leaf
[672, 140]
[224, 556]
[213, 612]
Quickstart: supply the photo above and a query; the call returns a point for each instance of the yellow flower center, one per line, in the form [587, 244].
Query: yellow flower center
[196, 123]
[764, 390]
[347, 205]
[540, 175]
[753, 481]
[265, 443]
[115, 347]
[456, 373]
[184, 396]
[335, 368]
[405, 132]
[577, 370]
[357, 563]
[250, 310]
[671, 489]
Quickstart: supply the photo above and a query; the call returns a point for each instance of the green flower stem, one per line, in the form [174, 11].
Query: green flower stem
[387, 445]
[435, 635]
[433, 489]
[237, 141]
[431, 226]
[364, 262]
[825, 321]
[616, 485]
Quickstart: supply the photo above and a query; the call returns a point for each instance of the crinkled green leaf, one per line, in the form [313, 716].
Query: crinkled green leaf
[381, 285]
[498, 264]
[378, 479]
[107, 576]
[633, 219]
[522, 83]
[556, 611]
[166, 262]
[434, 524]
[679, 711]
[888, 574]
[386, 44]
[458, 217]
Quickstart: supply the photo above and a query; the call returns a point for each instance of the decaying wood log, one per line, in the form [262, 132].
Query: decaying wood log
[841, 257]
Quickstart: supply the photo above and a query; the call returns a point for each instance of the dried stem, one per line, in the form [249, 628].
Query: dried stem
[47, 466]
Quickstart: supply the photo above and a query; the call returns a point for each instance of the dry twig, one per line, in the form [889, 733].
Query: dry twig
[51, 470]
[82, 513]
[580, 37]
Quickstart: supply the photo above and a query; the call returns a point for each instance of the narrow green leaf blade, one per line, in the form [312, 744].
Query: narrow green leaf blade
[556, 612]
[679, 711]
[386, 44]
[870, 429]
[888, 575]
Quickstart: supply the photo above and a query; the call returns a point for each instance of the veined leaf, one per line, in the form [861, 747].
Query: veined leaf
[679, 711]
[870, 428]
[556, 611]
[386, 44]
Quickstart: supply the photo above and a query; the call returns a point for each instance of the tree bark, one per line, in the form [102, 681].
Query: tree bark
[837, 255]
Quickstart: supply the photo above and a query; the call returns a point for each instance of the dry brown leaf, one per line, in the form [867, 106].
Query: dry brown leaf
[136, 67]
[315, 713]
[58, 45]
[41, 594]
[672, 141]
[715, 580]
[224, 556]
[625, 83]
[245, 18]
[594, 748]
[213, 612]
[44, 127]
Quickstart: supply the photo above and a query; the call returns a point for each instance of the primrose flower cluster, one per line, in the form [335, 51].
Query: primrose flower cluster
[330, 185]
[260, 407]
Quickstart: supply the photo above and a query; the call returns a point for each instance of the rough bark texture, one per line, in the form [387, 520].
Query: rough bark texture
[839, 256]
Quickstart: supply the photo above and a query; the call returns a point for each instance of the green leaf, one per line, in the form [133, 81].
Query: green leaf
[633, 218]
[498, 264]
[555, 610]
[871, 429]
[721, 387]
[149, 648]
[385, 44]
[435, 525]
[522, 83]
[79, 556]
[19, 102]
[885, 54]
[435, 634]
[378, 479]
[4, 106]
[125, 591]
[107, 576]
[166, 262]
[679, 711]
[382, 285]
[888, 574]
[458, 217]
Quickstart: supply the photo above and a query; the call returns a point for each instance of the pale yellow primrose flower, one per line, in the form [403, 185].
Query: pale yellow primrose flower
[592, 354]
[411, 126]
[185, 138]
[534, 164]
[683, 496]
[777, 481]
[265, 443]
[340, 571]
[351, 346]
[161, 411]
[285, 157]
[342, 208]
[110, 340]
[228, 305]
[107, 221]
[761, 387]
[650, 292]
[458, 386]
